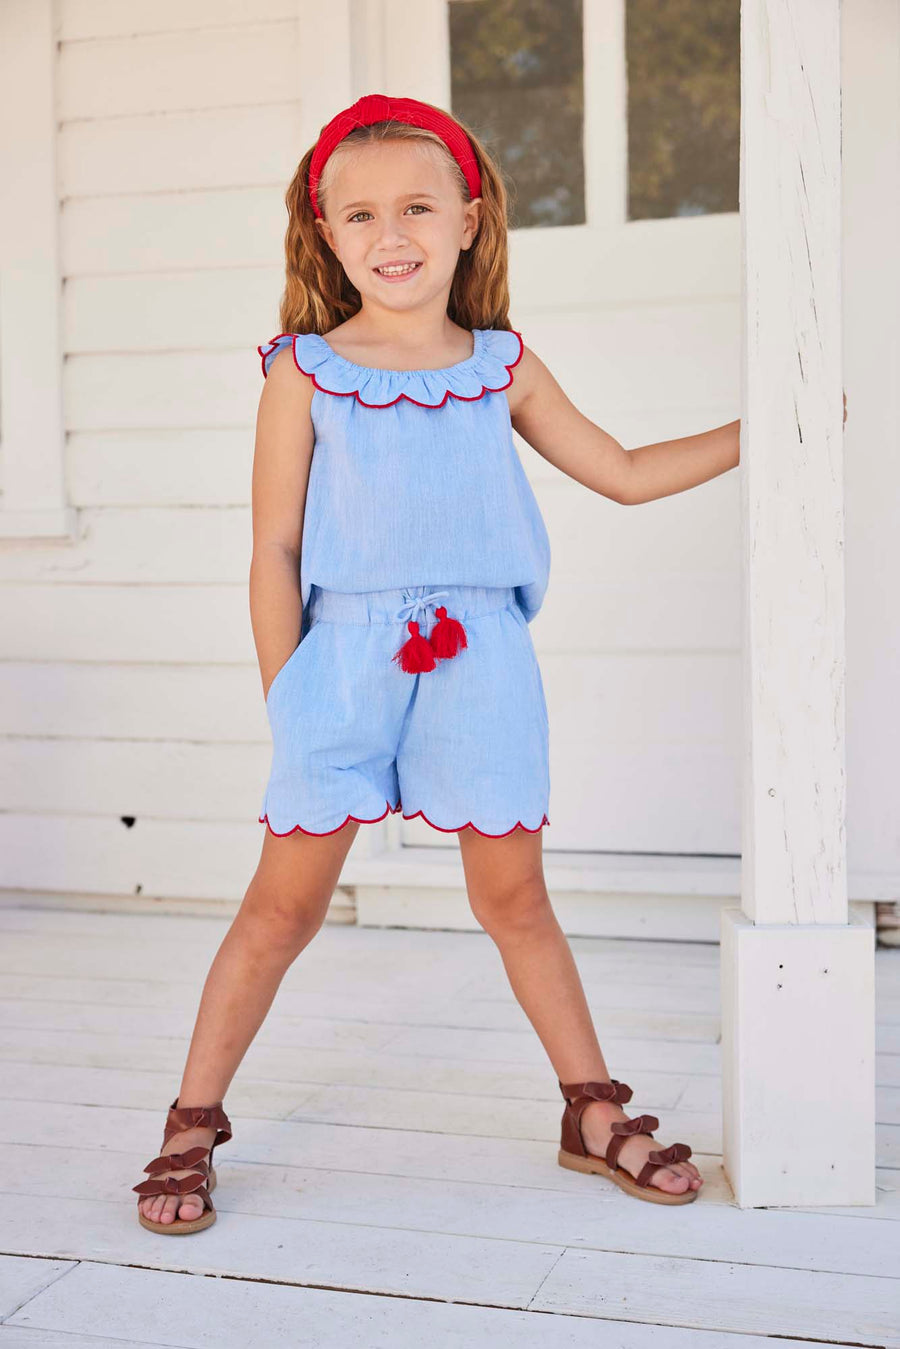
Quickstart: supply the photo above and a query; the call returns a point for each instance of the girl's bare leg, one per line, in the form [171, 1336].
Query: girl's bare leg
[283, 909]
[508, 896]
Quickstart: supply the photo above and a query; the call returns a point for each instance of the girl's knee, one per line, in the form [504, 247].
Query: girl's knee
[283, 917]
[512, 907]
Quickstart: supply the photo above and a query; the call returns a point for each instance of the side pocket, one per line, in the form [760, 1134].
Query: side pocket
[533, 657]
[277, 680]
[279, 677]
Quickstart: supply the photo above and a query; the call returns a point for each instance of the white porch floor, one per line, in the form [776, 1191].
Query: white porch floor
[393, 1177]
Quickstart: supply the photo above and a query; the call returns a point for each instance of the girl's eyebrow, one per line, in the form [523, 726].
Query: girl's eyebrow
[406, 197]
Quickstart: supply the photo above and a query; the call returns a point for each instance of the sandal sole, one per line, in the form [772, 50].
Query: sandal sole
[592, 1165]
[182, 1227]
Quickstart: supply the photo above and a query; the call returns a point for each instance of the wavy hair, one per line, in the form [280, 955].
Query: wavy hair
[318, 295]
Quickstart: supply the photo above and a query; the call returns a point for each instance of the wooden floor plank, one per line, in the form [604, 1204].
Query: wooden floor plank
[286, 1143]
[385, 1260]
[590, 1214]
[367, 1104]
[314, 1066]
[177, 1311]
[21, 1280]
[715, 1295]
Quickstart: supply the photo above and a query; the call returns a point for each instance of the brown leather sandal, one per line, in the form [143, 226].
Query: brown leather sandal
[574, 1155]
[198, 1158]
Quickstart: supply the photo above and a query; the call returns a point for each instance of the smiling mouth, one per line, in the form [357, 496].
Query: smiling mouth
[397, 269]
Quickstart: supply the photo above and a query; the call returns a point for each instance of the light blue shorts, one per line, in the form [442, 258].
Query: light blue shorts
[464, 745]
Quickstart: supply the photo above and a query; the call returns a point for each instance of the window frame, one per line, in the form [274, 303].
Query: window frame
[33, 501]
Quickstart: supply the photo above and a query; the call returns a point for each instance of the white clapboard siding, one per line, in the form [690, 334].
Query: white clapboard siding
[81, 19]
[176, 231]
[161, 779]
[101, 855]
[176, 623]
[201, 703]
[164, 152]
[182, 71]
[200, 467]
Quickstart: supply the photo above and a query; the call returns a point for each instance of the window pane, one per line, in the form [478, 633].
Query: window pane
[517, 80]
[684, 106]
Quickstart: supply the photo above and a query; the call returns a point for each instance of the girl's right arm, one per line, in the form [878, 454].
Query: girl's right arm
[281, 461]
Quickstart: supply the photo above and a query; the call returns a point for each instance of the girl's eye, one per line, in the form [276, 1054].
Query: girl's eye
[417, 206]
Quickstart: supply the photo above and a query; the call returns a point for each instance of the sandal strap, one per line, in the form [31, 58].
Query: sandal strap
[614, 1090]
[180, 1161]
[198, 1117]
[200, 1192]
[677, 1152]
[626, 1128]
[171, 1184]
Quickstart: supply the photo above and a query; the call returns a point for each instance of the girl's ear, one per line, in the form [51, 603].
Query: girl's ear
[327, 234]
[473, 222]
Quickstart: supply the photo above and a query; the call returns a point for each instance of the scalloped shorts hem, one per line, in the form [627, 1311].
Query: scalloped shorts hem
[462, 746]
[392, 810]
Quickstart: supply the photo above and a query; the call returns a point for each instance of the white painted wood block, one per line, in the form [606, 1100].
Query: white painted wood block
[798, 1054]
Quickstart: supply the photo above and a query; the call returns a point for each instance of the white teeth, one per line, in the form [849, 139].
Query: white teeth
[397, 271]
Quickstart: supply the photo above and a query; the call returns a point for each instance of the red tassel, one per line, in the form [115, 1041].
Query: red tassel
[415, 655]
[448, 636]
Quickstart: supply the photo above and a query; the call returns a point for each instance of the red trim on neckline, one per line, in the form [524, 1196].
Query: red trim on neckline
[354, 393]
[264, 819]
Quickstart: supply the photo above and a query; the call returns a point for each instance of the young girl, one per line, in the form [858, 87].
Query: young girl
[397, 537]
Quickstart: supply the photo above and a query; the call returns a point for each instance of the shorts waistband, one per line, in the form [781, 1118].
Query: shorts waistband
[403, 603]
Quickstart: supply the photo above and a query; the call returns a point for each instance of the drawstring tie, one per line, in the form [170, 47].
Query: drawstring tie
[419, 654]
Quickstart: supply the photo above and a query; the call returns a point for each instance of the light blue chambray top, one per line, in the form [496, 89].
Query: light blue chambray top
[415, 478]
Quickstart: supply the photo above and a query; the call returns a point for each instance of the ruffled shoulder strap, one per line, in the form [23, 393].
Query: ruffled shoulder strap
[269, 350]
[487, 370]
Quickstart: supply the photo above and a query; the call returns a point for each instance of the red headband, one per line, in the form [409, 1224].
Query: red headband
[379, 108]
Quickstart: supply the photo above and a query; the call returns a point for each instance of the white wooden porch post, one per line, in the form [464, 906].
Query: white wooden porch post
[797, 961]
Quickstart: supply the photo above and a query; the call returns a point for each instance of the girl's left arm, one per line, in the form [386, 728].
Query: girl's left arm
[543, 415]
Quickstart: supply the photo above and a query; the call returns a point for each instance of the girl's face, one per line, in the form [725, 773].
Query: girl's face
[396, 202]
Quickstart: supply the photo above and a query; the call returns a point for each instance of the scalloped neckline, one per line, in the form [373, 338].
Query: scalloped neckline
[477, 340]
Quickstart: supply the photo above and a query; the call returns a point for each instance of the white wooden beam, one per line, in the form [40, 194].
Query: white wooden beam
[797, 977]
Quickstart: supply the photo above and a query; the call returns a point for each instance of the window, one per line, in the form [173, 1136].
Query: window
[517, 79]
[683, 64]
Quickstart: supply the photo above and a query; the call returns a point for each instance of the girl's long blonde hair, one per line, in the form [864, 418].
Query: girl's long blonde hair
[318, 294]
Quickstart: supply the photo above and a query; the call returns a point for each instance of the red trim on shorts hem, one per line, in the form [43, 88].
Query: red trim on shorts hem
[264, 819]
[354, 393]
[470, 825]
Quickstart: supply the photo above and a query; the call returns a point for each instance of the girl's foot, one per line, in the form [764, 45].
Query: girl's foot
[595, 1121]
[165, 1208]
